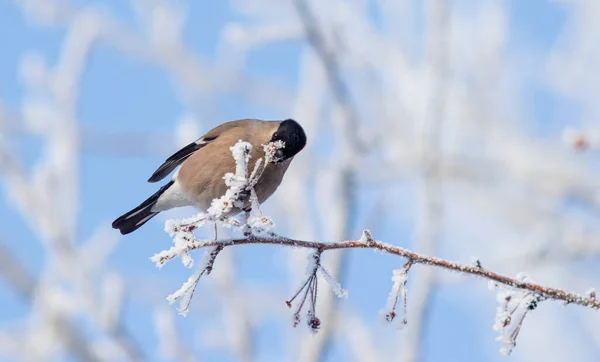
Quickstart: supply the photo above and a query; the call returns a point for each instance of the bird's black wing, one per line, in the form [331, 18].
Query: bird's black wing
[177, 158]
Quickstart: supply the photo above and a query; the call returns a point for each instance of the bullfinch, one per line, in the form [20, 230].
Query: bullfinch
[204, 163]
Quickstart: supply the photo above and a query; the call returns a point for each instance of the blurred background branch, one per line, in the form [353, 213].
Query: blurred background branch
[430, 217]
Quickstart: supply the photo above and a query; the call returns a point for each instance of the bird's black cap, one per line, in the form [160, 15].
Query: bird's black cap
[292, 134]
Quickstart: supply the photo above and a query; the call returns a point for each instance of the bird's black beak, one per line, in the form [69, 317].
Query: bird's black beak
[279, 156]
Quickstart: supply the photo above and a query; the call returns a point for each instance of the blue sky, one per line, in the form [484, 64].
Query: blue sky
[119, 94]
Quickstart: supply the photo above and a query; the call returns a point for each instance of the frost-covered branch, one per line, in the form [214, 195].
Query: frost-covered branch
[521, 293]
[530, 294]
[513, 308]
[368, 243]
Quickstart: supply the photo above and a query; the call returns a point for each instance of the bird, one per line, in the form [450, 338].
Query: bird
[204, 162]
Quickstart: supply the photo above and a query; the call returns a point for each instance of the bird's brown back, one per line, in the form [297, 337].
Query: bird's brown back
[201, 175]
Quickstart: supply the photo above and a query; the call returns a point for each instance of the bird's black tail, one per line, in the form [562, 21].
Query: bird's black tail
[137, 217]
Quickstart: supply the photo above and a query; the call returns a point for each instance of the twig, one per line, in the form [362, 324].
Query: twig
[416, 258]
[186, 292]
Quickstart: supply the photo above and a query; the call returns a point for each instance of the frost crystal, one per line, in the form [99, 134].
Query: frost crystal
[271, 149]
[335, 285]
[513, 307]
[308, 292]
[366, 236]
[181, 242]
[400, 278]
[236, 183]
[260, 224]
[187, 289]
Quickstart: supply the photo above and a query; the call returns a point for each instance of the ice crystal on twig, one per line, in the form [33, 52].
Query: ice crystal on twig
[400, 278]
[308, 292]
[366, 236]
[237, 183]
[257, 223]
[335, 285]
[513, 307]
[186, 292]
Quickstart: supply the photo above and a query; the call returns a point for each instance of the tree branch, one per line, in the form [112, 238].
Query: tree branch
[366, 242]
